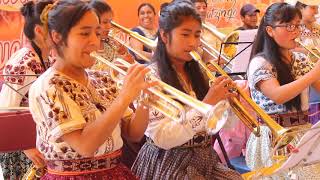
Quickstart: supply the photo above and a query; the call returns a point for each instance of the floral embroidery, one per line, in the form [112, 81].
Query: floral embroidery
[28, 61]
[67, 106]
[301, 65]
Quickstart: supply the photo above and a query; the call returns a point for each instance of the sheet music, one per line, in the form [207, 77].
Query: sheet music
[309, 148]
[241, 62]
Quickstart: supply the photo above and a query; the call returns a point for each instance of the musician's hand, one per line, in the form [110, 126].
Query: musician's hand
[135, 82]
[122, 50]
[220, 89]
[36, 157]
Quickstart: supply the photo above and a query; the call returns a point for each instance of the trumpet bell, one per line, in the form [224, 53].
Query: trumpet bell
[229, 50]
[283, 136]
[314, 51]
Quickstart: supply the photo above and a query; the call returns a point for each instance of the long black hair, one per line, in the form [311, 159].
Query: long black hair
[171, 17]
[148, 5]
[31, 12]
[267, 47]
[65, 15]
[100, 6]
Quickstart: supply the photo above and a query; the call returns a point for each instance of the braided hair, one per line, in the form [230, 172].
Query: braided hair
[31, 12]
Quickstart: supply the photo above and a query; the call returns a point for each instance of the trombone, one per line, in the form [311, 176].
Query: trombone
[229, 50]
[152, 44]
[283, 136]
[170, 107]
[315, 51]
[113, 34]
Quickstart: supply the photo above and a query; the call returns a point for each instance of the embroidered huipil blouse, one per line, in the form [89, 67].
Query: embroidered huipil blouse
[61, 105]
[260, 70]
[166, 133]
[23, 62]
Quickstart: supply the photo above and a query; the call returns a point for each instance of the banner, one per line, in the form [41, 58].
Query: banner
[222, 13]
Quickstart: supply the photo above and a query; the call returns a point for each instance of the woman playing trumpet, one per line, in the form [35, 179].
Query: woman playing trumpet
[110, 48]
[182, 150]
[81, 114]
[146, 28]
[279, 80]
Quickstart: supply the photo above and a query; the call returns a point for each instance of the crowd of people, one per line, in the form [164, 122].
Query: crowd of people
[84, 118]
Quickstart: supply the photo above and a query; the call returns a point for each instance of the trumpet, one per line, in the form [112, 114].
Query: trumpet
[170, 107]
[283, 136]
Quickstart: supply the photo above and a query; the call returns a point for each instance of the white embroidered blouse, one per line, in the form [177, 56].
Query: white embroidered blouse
[60, 105]
[23, 62]
[168, 134]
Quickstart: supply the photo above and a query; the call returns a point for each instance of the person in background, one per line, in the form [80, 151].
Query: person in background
[310, 37]
[249, 17]
[201, 8]
[146, 28]
[81, 114]
[110, 48]
[30, 60]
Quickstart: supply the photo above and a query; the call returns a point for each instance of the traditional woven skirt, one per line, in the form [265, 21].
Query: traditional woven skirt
[189, 162]
[106, 167]
[259, 149]
[14, 165]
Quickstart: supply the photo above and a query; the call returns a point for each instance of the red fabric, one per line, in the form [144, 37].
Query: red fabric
[120, 172]
[17, 131]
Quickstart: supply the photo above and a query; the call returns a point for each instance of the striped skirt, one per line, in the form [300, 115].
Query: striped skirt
[120, 172]
[181, 163]
[105, 167]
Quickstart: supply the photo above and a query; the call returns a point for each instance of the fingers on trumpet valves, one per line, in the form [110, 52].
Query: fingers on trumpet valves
[227, 86]
[143, 99]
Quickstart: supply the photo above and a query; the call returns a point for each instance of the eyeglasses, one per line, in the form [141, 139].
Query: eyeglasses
[291, 27]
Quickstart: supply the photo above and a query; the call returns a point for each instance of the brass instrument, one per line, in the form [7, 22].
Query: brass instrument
[249, 121]
[229, 50]
[168, 106]
[113, 34]
[283, 136]
[264, 172]
[34, 173]
[315, 51]
[148, 42]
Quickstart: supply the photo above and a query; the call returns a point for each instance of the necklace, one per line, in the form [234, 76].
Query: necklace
[149, 33]
[185, 85]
